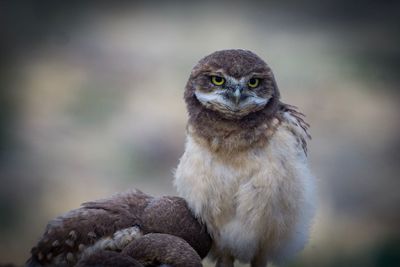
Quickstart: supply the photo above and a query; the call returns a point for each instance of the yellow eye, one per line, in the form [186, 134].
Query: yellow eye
[217, 80]
[253, 82]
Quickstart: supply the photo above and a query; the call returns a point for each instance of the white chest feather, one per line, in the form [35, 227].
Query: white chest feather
[261, 199]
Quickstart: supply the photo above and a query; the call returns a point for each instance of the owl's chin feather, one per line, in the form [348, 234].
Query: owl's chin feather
[229, 109]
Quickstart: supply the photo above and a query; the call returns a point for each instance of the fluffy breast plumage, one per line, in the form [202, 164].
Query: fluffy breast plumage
[255, 200]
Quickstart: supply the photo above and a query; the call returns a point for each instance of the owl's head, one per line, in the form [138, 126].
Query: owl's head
[233, 84]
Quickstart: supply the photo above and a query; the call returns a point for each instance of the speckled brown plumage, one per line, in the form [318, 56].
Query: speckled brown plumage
[176, 220]
[110, 224]
[151, 249]
[106, 258]
[154, 249]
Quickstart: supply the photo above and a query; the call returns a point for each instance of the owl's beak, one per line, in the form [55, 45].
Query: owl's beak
[236, 96]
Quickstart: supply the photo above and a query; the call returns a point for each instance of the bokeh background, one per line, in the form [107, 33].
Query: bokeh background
[91, 104]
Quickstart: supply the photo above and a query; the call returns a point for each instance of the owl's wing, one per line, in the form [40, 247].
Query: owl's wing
[68, 235]
[113, 223]
[155, 249]
[296, 124]
[171, 215]
[106, 258]
[149, 250]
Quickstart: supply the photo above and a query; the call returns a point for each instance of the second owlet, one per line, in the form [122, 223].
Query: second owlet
[244, 171]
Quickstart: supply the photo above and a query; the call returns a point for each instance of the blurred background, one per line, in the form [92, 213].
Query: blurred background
[91, 104]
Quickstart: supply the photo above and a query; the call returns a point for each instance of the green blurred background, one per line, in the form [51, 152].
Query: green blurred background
[91, 104]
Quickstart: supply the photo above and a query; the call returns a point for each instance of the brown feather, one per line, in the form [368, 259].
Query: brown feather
[108, 259]
[155, 249]
[70, 235]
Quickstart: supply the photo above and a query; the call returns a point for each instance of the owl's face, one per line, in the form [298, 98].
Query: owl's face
[233, 83]
[231, 96]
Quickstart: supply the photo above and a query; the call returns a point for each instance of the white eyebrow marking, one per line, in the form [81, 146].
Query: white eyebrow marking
[206, 98]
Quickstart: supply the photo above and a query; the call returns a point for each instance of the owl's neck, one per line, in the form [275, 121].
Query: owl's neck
[231, 136]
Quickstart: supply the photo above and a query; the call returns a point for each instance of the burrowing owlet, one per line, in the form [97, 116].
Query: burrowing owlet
[244, 171]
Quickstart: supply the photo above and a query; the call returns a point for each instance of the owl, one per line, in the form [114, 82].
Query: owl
[244, 170]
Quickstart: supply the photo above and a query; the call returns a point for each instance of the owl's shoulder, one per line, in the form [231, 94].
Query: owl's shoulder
[293, 120]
